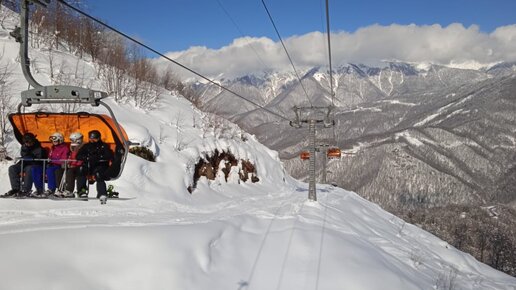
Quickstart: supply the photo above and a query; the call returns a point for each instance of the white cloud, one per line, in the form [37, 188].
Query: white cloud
[450, 45]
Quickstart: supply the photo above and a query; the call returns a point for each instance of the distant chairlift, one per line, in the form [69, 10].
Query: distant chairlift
[333, 153]
[304, 155]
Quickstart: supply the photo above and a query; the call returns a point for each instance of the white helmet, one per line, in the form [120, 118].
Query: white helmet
[57, 137]
[76, 137]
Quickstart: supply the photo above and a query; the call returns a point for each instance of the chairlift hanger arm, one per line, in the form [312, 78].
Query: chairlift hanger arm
[22, 35]
[23, 38]
[53, 94]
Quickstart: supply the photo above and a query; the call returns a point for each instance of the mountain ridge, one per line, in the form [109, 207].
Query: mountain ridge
[417, 141]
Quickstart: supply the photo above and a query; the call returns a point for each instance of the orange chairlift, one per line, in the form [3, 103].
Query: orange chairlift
[305, 155]
[333, 153]
[43, 124]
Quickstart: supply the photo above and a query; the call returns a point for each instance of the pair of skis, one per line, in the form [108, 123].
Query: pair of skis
[102, 199]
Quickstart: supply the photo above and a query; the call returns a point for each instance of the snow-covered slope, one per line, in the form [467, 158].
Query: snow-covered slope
[263, 235]
[230, 237]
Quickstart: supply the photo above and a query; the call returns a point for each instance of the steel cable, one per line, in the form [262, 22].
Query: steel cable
[286, 51]
[171, 60]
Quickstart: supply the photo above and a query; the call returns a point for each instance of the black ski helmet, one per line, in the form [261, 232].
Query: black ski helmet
[28, 137]
[94, 134]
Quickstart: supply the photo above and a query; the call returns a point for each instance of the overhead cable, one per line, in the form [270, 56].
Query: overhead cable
[241, 33]
[329, 52]
[171, 60]
[321, 242]
[286, 51]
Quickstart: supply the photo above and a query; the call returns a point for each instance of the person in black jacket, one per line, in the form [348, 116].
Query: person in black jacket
[31, 149]
[96, 156]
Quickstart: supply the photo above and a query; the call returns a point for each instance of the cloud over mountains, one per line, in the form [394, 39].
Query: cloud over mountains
[453, 45]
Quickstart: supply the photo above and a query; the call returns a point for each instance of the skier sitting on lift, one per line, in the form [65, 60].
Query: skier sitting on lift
[31, 149]
[96, 156]
[73, 173]
[58, 152]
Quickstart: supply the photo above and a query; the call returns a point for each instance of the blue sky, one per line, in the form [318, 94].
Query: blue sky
[207, 35]
[173, 25]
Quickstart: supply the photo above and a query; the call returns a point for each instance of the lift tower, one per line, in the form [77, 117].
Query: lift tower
[313, 116]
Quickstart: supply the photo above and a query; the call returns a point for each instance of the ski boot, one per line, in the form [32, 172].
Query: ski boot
[23, 194]
[111, 193]
[10, 193]
[83, 193]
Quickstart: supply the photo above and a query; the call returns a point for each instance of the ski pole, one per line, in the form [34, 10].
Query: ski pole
[22, 180]
[63, 178]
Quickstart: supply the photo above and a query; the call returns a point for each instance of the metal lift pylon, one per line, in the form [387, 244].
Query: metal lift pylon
[315, 116]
